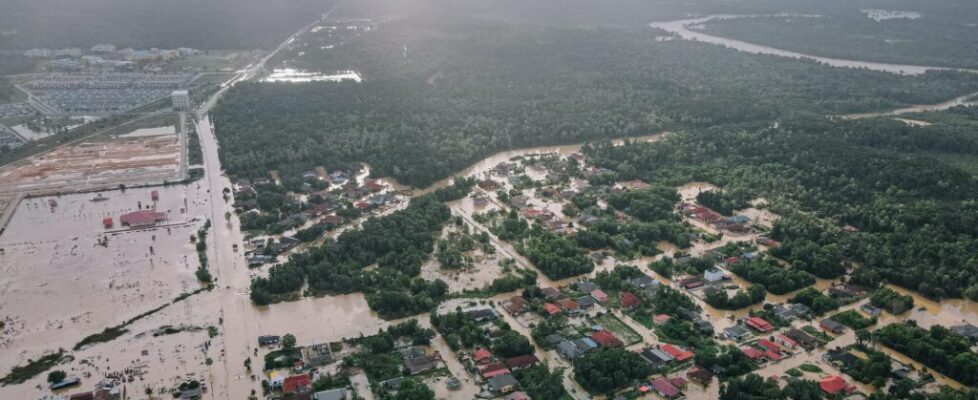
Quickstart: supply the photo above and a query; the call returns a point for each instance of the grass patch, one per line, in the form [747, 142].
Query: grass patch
[794, 372]
[619, 328]
[151, 121]
[378, 367]
[195, 156]
[643, 318]
[822, 337]
[21, 374]
[810, 368]
[853, 319]
[281, 358]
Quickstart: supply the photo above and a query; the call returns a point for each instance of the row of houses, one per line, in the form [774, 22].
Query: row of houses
[765, 350]
[666, 354]
[735, 224]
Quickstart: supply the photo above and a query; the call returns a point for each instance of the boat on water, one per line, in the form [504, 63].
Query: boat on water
[99, 197]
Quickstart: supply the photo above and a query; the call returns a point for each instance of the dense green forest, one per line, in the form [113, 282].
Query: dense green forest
[940, 34]
[936, 348]
[399, 243]
[607, 369]
[719, 299]
[556, 256]
[775, 278]
[465, 88]
[915, 215]
[753, 386]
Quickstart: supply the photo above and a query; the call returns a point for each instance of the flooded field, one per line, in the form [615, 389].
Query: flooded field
[295, 75]
[67, 276]
[689, 191]
[36, 133]
[883, 15]
[319, 319]
[482, 166]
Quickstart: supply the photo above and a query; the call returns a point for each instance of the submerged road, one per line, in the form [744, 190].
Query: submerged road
[229, 379]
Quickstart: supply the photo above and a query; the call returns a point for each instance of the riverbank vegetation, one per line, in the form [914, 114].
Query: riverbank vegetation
[925, 33]
[937, 348]
[21, 374]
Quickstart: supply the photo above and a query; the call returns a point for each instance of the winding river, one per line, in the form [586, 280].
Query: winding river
[690, 29]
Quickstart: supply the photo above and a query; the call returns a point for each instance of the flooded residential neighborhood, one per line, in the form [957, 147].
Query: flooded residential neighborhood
[451, 202]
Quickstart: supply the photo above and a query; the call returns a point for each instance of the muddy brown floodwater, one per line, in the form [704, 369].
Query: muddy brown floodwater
[66, 276]
[78, 287]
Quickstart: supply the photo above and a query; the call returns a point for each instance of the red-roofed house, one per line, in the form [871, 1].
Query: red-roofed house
[678, 382]
[518, 396]
[142, 218]
[482, 356]
[296, 384]
[333, 219]
[629, 300]
[551, 308]
[785, 341]
[599, 295]
[520, 362]
[676, 352]
[753, 354]
[606, 339]
[835, 384]
[701, 375]
[516, 305]
[373, 186]
[660, 319]
[772, 355]
[769, 345]
[492, 369]
[759, 324]
[567, 304]
[665, 389]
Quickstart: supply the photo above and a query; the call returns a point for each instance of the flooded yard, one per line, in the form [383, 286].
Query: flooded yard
[293, 75]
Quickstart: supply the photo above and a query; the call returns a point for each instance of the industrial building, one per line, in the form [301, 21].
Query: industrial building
[181, 99]
[142, 218]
